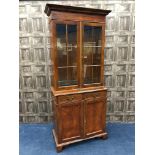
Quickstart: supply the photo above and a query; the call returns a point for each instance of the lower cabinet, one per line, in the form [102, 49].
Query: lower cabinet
[79, 117]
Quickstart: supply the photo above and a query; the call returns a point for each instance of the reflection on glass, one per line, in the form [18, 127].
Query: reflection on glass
[92, 54]
[61, 36]
[72, 45]
[66, 54]
[61, 44]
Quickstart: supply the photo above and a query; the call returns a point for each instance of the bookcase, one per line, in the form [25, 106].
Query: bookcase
[77, 57]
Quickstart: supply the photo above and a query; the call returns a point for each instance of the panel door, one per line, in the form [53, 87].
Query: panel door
[70, 117]
[95, 114]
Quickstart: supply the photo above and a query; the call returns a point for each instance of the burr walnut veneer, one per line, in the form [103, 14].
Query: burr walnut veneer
[77, 56]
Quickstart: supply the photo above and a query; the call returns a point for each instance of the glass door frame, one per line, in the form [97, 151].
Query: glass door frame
[89, 23]
[54, 53]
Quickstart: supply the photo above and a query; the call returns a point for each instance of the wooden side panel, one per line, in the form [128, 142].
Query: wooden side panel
[70, 121]
[54, 116]
[53, 53]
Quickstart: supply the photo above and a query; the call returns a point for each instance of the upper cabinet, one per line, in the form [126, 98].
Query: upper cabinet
[77, 43]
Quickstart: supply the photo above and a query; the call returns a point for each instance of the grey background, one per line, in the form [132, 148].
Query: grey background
[35, 66]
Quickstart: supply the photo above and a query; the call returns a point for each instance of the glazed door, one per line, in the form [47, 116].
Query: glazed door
[92, 54]
[66, 57]
[70, 119]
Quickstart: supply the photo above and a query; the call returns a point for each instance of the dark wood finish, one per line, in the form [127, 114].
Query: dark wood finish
[64, 8]
[80, 35]
[73, 17]
[79, 108]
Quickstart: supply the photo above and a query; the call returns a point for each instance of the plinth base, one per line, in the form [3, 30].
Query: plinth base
[60, 146]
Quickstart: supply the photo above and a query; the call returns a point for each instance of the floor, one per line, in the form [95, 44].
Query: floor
[36, 139]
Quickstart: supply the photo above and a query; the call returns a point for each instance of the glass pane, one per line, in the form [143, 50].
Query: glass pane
[92, 74]
[72, 44]
[87, 55]
[97, 56]
[88, 70]
[61, 44]
[67, 54]
[92, 35]
[96, 74]
[72, 75]
[61, 35]
[92, 54]
[67, 76]
[62, 58]
[72, 35]
[72, 59]
[62, 72]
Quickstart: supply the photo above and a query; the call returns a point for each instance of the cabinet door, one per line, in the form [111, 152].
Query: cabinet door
[66, 54]
[70, 117]
[95, 112]
[92, 54]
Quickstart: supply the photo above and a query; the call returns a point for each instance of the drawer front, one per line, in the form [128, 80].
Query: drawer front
[70, 98]
[100, 95]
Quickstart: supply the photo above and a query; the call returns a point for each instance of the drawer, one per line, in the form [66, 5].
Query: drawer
[69, 98]
[95, 95]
